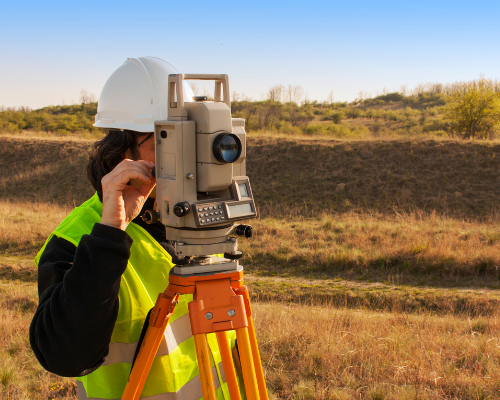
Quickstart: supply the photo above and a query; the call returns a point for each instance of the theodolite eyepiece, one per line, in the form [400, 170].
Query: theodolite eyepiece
[150, 217]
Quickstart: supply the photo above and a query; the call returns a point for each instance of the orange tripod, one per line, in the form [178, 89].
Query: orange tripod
[220, 303]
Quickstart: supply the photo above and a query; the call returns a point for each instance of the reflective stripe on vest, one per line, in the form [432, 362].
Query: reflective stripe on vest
[175, 367]
[190, 391]
[176, 333]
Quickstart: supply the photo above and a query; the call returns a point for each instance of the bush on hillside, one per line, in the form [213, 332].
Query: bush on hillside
[354, 113]
[336, 130]
[474, 111]
[55, 119]
[335, 116]
[390, 97]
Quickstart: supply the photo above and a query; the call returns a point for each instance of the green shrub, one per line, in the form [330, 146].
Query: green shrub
[390, 97]
[335, 116]
[287, 127]
[475, 110]
[391, 116]
[354, 113]
[435, 125]
[56, 119]
[336, 130]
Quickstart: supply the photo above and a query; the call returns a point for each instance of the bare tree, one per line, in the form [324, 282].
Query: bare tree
[235, 96]
[418, 90]
[384, 90]
[276, 93]
[207, 94]
[194, 88]
[293, 94]
[361, 96]
[436, 88]
[403, 89]
[289, 93]
[330, 97]
[24, 109]
[298, 93]
[86, 97]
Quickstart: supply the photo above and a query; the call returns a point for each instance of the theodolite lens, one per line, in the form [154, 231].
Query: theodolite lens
[227, 148]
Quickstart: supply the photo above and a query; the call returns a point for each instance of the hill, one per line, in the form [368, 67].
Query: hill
[310, 177]
[304, 177]
[44, 170]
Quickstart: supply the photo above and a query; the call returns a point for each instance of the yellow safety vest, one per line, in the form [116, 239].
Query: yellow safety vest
[174, 374]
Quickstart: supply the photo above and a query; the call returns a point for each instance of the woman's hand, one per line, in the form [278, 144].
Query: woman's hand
[122, 202]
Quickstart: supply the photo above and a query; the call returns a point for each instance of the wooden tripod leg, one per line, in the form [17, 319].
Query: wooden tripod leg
[158, 321]
[206, 376]
[227, 363]
[247, 364]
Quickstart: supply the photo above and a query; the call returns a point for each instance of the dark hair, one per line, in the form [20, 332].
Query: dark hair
[106, 153]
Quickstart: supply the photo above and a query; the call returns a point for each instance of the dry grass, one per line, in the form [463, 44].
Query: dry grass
[346, 294]
[41, 135]
[24, 225]
[309, 352]
[368, 137]
[21, 377]
[326, 353]
[412, 249]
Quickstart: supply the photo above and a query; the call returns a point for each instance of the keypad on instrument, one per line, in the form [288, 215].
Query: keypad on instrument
[211, 214]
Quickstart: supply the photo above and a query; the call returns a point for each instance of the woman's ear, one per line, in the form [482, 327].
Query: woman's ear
[127, 154]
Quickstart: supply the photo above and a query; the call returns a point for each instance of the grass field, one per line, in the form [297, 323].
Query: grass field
[374, 270]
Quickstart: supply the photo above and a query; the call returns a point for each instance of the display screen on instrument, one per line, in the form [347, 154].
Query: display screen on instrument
[239, 209]
[243, 190]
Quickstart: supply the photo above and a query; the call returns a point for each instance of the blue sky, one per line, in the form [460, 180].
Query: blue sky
[49, 51]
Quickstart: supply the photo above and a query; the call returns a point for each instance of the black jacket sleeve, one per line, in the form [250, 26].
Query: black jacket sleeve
[78, 300]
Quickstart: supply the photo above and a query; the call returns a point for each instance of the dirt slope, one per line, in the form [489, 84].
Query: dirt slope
[305, 177]
[310, 176]
[44, 170]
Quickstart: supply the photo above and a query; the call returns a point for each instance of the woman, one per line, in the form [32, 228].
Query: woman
[99, 274]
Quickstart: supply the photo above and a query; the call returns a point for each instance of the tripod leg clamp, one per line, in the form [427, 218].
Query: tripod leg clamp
[164, 307]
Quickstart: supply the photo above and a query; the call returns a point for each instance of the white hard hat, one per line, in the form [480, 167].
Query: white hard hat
[135, 95]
